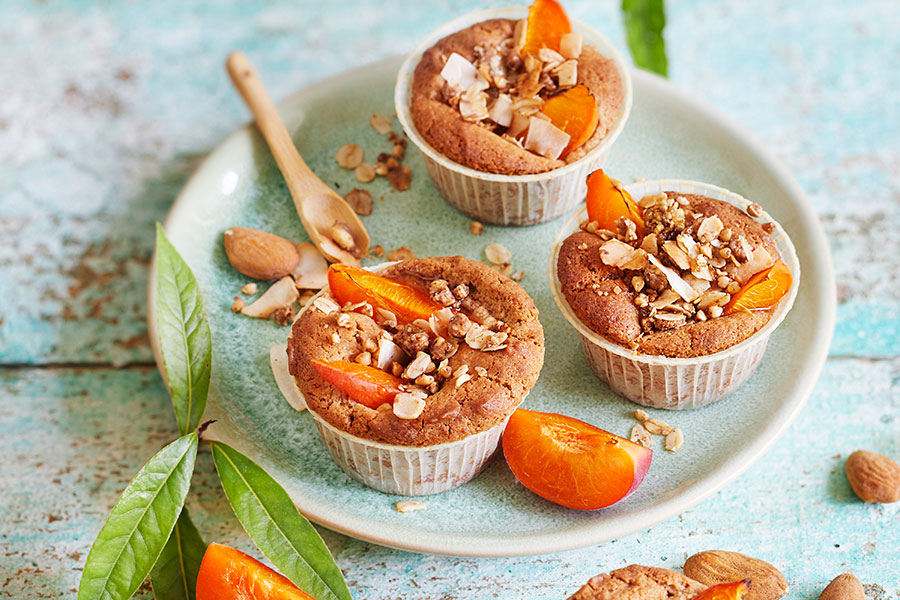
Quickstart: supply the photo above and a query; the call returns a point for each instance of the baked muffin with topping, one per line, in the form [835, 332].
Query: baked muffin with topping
[427, 358]
[675, 274]
[518, 99]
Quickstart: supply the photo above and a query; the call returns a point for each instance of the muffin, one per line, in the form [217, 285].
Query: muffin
[459, 375]
[663, 304]
[510, 132]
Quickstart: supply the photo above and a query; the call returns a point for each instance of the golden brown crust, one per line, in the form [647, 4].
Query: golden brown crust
[451, 413]
[588, 285]
[636, 582]
[475, 147]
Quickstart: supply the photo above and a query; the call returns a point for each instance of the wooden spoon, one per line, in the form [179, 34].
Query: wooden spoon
[327, 217]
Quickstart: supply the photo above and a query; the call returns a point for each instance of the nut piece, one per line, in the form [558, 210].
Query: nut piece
[873, 477]
[674, 440]
[497, 254]
[476, 228]
[364, 172]
[408, 406]
[342, 236]
[720, 566]
[754, 210]
[401, 253]
[238, 304]
[259, 254]
[405, 506]
[360, 201]
[249, 289]
[844, 587]
[658, 427]
[349, 156]
[641, 436]
[400, 177]
[380, 123]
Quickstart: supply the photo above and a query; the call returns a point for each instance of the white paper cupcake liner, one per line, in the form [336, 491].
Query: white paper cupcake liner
[509, 199]
[410, 470]
[676, 383]
[405, 470]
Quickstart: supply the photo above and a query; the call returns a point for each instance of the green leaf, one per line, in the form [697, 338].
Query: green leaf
[183, 329]
[139, 525]
[644, 24]
[276, 526]
[174, 576]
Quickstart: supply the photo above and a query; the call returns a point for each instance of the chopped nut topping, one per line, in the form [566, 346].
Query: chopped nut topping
[641, 415]
[408, 406]
[326, 305]
[401, 253]
[360, 201]
[349, 156]
[380, 123]
[674, 440]
[378, 250]
[405, 506]
[418, 366]
[442, 348]
[641, 436]
[342, 236]
[658, 427]
[238, 304]
[363, 358]
[461, 379]
[497, 254]
[754, 210]
[459, 326]
[344, 320]
[249, 289]
[476, 228]
[335, 337]
[283, 315]
[439, 290]
[482, 338]
[482, 372]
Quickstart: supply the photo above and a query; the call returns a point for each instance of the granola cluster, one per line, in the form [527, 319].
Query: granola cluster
[687, 265]
[419, 352]
[504, 92]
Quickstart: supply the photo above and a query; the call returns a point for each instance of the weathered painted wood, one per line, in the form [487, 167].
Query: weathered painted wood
[71, 455]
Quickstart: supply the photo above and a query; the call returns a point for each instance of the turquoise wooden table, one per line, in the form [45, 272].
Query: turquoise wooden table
[107, 107]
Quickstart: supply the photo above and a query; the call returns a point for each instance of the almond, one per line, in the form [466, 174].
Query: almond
[844, 587]
[874, 477]
[259, 254]
[720, 566]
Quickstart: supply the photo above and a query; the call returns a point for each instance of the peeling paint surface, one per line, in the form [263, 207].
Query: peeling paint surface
[107, 108]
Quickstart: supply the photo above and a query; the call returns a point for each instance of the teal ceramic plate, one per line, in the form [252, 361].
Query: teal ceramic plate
[669, 135]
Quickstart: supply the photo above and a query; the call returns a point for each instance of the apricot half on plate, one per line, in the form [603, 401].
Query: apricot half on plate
[726, 591]
[226, 574]
[570, 462]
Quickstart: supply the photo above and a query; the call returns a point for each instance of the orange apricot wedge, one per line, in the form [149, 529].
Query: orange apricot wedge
[353, 285]
[367, 385]
[547, 23]
[570, 462]
[607, 200]
[734, 590]
[763, 290]
[229, 574]
[575, 112]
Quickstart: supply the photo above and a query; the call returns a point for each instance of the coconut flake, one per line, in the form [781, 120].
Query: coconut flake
[283, 378]
[681, 287]
[389, 353]
[280, 294]
[461, 75]
[570, 45]
[546, 139]
[501, 110]
[311, 273]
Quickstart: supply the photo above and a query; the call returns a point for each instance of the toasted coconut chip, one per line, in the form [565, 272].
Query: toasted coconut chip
[501, 110]
[649, 244]
[682, 287]
[439, 320]
[619, 254]
[570, 45]
[667, 298]
[280, 294]
[699, 284]
[460, 74]
[283, 378]
[311, 273]
[714, 298]
[677, 254]
[408, 406]
[757, 260]
[710, 228]
[380, 123]
[326, 305]
[545, 138]
[498, 254]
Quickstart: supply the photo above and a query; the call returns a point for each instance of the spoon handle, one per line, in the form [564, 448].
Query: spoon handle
[300, 179]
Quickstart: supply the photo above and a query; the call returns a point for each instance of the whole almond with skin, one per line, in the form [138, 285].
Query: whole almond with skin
[720, 566]
[874, 477]
[259, 254]
[844, 587]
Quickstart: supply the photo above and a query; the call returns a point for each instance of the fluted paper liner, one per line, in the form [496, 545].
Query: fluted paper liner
[509, 199]
[676, 383]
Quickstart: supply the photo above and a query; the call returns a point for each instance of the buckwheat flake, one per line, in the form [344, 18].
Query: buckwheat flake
[405, 506]
[641, 436]
[461, 379]
[249, 289]
[364, 172]
[349, 156]
[497, 254]
[380, 123]
[658, 427]
[674, 440]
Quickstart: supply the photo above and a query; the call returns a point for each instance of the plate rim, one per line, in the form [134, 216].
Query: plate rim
[397, 536]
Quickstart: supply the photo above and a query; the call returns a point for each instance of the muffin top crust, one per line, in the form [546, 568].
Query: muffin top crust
[475, 370]
[669, 293]
[488, 125]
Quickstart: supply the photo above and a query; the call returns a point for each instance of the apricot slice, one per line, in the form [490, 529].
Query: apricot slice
[366, 385]
[227, 574]
[734, 590]
[607, 200]
[574, 111]
[570, 462]
[352, 285]
[763, 290]
[547, 23]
